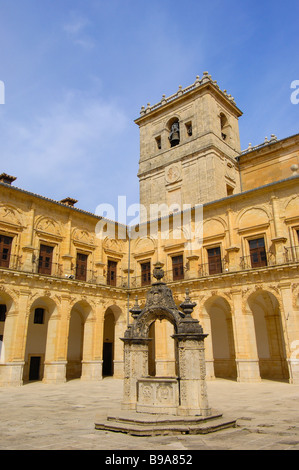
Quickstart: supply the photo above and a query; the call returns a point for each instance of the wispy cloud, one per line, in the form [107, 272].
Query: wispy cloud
[76, 31]
[64, 149]
[76, 25]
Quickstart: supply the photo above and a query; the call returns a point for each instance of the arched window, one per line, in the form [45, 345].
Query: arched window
[224, 126]
[174, 132]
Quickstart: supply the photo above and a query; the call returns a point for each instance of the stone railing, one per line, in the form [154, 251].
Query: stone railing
[291, 255]
[182, 91]
[251, 148]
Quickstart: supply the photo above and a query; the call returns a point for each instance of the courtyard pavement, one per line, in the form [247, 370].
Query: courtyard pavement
[39, 416]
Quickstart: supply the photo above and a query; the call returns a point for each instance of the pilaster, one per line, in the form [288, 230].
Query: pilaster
[290, 331]
[245, 342]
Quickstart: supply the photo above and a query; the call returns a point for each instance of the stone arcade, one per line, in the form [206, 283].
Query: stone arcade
[64, 291]
[164, 405]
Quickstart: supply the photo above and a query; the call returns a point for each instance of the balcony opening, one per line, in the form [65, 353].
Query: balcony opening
[177, 267]
[258, 256]
[111, 273]
[214, 260]
[5, 250]
[45, 259]
[146, 273]
[81, 266]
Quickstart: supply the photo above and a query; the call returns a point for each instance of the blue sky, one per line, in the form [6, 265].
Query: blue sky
[76, 73]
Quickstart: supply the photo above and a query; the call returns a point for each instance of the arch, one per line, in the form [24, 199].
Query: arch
[151, 314]
[225, 127]
[7, 306]
[162, 361]
[8, 298]
[170, 121]
[82, 235]
[265, 308]
[143, 244]
[108, 343]
[11, 214]
[214, 226]
[40, 339]
[79, 338]
[158, 322]
[173, 127]
[113, 326]
[291, 207]
[113, 244]
[220, 343]
[48, 225]
[252, 216]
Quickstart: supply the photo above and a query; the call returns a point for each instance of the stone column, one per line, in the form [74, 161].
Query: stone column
[247, 361]
[91, 368]
[279, 240]
[209, 357]
[28, 250]
[11, 370]
[118, 362]
[290, 326]
[192, 375]
[192, 272]
[136, 366]
[233, 257]
[55, 370]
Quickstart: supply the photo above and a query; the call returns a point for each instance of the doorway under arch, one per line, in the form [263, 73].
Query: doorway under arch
[108, 343]
[38, 339]
[271, 352]
[221, 328]
[76, 344]
[114, 325]
[6, 308]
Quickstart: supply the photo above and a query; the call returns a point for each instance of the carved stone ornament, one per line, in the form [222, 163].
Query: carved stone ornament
[161, 305]
[173, 174]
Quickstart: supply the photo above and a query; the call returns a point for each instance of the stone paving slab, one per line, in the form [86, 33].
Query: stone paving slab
[40, 416]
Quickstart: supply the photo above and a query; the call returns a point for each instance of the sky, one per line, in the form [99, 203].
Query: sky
[76, 73]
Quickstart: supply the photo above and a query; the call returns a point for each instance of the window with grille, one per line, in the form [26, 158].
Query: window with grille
[2, 312]
[39, 316]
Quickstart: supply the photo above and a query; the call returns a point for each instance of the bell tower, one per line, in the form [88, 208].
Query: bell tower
[188, 147]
